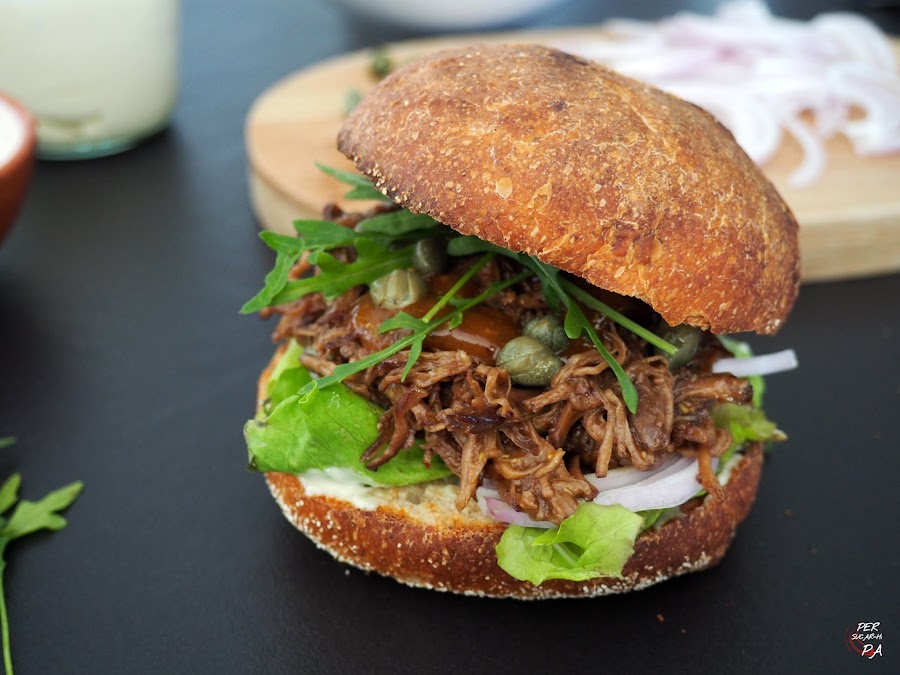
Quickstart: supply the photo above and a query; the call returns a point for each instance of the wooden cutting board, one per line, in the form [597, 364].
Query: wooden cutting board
[849, 219]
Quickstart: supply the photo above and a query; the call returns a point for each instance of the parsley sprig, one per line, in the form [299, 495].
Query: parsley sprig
[26, 518]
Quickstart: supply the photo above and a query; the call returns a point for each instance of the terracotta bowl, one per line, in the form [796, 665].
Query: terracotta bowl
[17, 147]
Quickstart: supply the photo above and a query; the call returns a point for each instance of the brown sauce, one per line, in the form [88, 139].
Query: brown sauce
[483, 331]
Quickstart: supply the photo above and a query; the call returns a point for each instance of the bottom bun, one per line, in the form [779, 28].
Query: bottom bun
[415, 535]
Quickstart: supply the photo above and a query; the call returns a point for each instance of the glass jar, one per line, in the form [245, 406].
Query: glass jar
[99, 75]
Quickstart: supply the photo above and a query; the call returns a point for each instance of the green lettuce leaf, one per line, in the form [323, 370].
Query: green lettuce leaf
[596, 541]
[744, 424]
[650, 517]
[324, 428]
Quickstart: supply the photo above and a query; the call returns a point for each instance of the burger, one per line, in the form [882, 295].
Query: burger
[510, 377]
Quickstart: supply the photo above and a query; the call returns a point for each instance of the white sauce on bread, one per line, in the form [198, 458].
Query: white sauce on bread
[339, 483]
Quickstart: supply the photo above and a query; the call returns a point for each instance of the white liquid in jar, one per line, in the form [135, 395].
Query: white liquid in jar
[95, 73]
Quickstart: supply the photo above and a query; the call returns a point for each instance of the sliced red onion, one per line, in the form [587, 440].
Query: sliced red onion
[760, 74]
[765, 364]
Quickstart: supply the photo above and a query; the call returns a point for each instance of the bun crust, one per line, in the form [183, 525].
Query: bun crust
[416, 536]
[637, 191]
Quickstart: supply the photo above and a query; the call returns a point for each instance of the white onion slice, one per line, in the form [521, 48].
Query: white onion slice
[765, 364]
[483, 493]
[505, 513]
[665, 487]
[671, 483]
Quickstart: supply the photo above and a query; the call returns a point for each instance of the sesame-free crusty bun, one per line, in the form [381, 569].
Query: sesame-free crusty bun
[415, 535]
[539, 151]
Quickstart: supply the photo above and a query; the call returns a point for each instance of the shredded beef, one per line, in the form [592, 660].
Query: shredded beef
[533, 443]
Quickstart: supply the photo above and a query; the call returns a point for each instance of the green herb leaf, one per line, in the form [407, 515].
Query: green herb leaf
[399, 223]
[469, 245]
[27, 517]
[596, 541]
[557, 295]
[7, 441]
[336, 278]
[362, 186]
[587, 299]
[374, 244]
[324, 429]
[9, 494]
[277, 278]
[402, 321]
[576, 324]
[345, 370]
[321, 235]
[30, 516]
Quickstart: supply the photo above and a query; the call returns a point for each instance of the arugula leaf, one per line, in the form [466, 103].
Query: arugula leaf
[9, 495]
[419, 328]
[362, 186]
[323, 429]
[345, 370]
[7, 441]
[576, 324]
[30, 516]
[27, 517]
[587, 299]
[470, 245]
[322, 235]
[596, 541]
[398, 223]
[336, 278]
[559, 293]
[275, 280]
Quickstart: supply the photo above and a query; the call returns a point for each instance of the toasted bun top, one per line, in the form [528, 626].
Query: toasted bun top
[539, 151]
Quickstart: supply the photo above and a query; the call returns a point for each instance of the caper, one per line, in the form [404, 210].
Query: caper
[548, 330]
[398, 289]
[685, 338]
[529, 361]
[429, 256]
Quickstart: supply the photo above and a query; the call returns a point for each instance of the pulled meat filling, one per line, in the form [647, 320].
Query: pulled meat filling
[534, 443]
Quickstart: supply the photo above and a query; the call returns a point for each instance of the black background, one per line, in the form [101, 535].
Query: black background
[124, 363]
